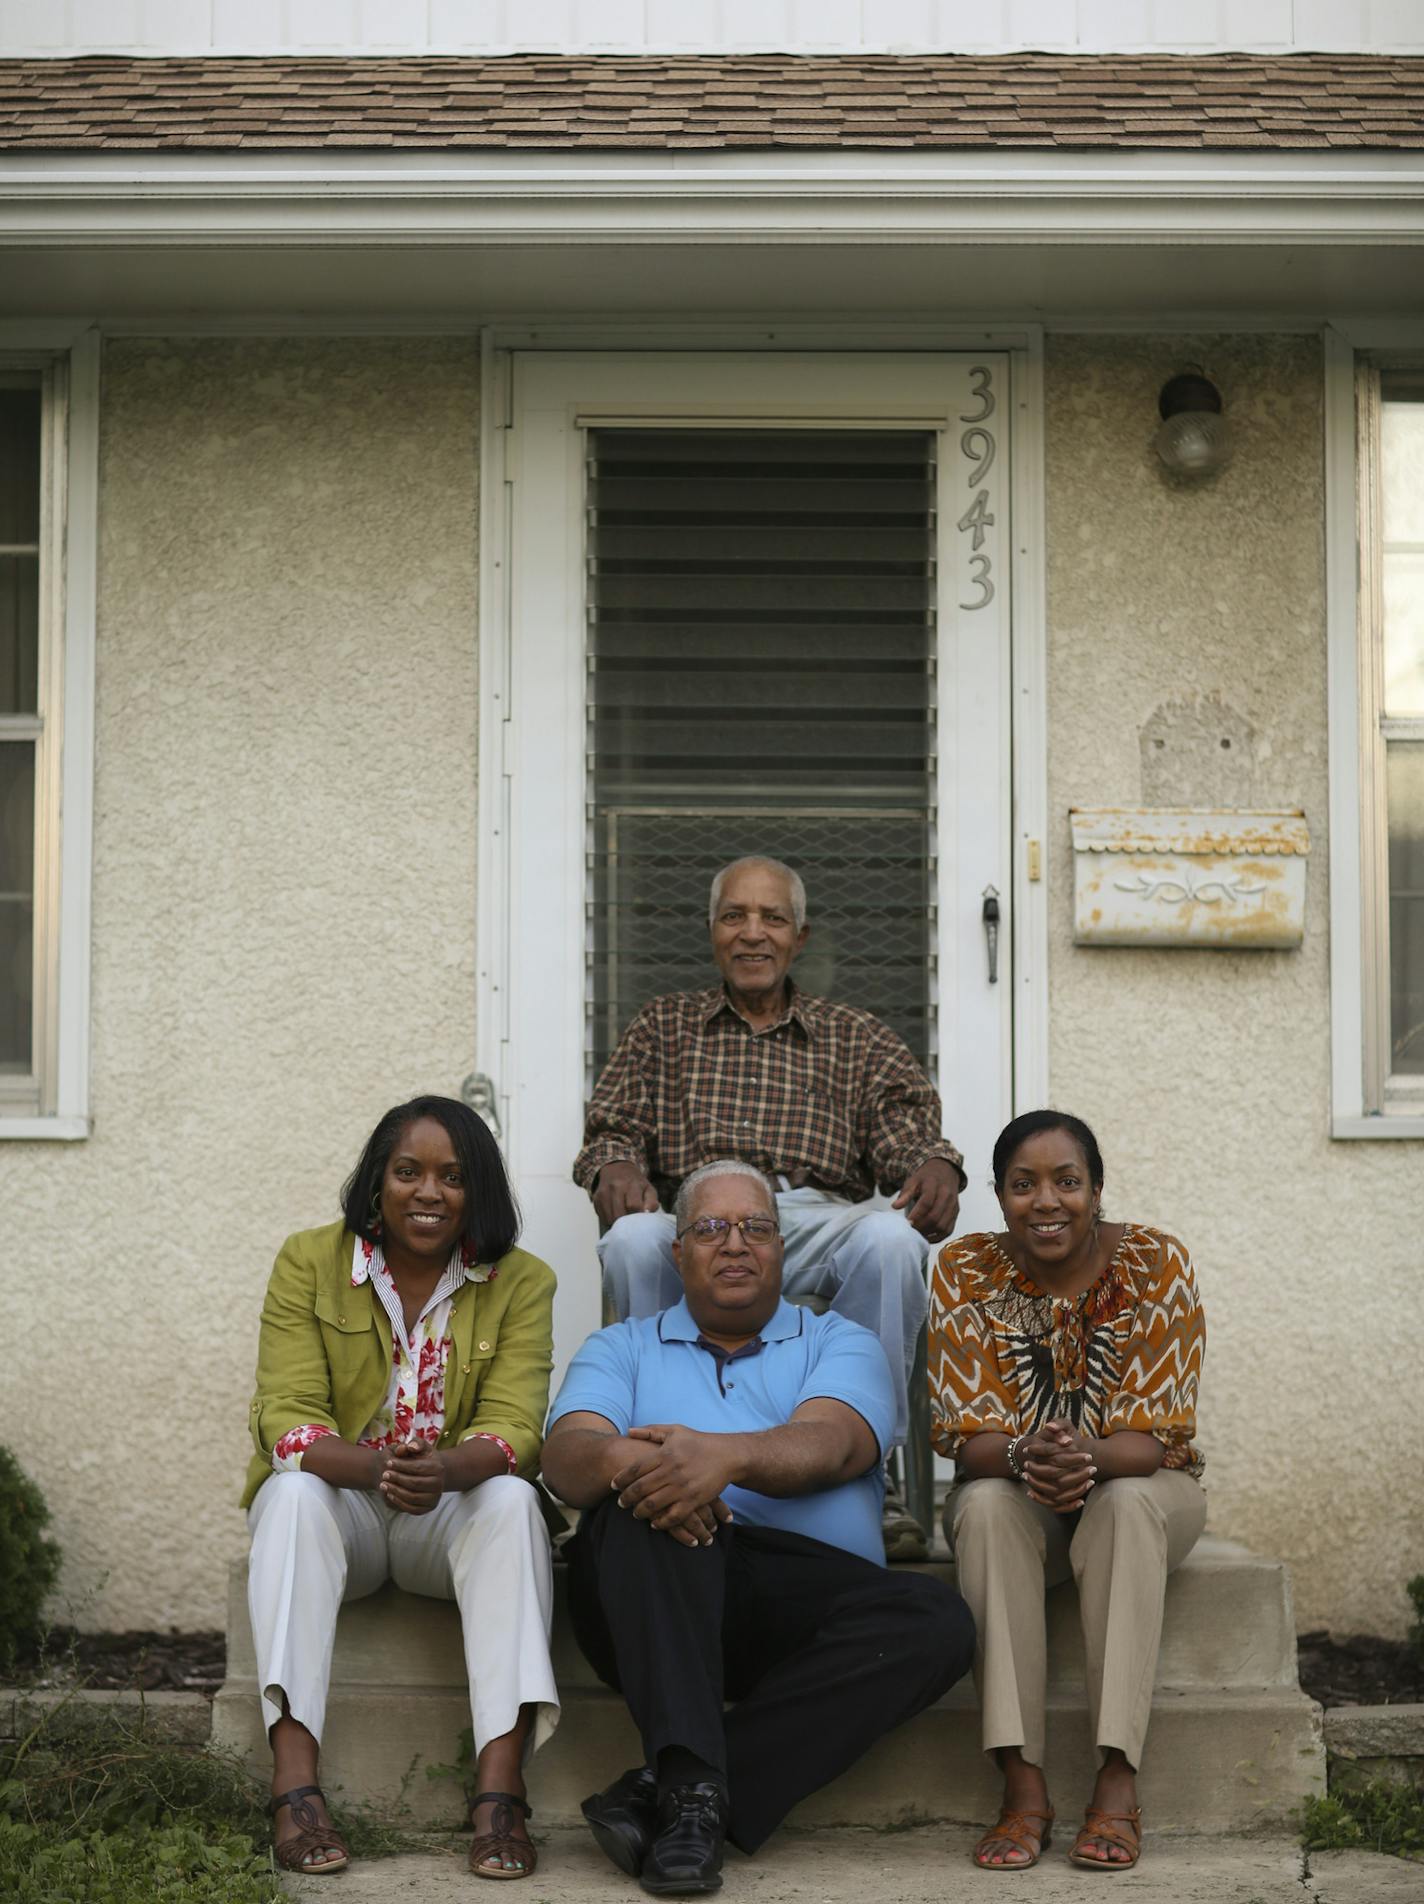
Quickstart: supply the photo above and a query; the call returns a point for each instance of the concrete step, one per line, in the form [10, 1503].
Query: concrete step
[1234, 1744]
[1227, 1622]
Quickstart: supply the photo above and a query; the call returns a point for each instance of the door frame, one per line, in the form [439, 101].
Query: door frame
[497, 877]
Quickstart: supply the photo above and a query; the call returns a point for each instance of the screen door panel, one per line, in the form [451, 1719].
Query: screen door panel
[761, 668]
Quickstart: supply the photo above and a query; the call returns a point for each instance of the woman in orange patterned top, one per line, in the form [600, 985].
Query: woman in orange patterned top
[1064, 1357]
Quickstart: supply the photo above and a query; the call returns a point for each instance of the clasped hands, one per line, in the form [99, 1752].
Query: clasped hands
[677, 1484]
[410, 1476]
[1058, 1466]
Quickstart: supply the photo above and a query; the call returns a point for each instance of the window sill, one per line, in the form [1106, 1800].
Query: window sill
[61, 1130]
[1387, 1124]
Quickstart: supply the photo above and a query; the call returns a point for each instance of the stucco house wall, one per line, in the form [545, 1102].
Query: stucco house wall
[284, 926]
[283, 909]
[1199, 612]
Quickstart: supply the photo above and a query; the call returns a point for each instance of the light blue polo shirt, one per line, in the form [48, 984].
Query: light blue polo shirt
[636, 1373]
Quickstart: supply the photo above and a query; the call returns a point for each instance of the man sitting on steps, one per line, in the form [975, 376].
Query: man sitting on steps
[823, 1097]
[726, 1455]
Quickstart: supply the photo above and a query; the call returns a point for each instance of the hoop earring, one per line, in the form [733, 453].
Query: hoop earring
[375, 1215]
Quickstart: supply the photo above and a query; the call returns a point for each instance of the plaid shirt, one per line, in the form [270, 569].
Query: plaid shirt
[826, 1096]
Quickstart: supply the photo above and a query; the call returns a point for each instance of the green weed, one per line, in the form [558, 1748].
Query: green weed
[1376, 1817]
[169, 1864]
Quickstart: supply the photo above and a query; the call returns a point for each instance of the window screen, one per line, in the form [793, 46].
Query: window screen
[1402, 723]
[761, 676]
[20, 724]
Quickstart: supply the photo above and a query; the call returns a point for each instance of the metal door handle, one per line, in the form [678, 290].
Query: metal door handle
[479, 1093]
[991, 930]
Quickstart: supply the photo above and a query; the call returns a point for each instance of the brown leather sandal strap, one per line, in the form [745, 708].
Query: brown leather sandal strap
[1102, 1825]
[502, 1798]
[500, 1841]
[311, 1834]
[292, 1852]
[1025, 1830]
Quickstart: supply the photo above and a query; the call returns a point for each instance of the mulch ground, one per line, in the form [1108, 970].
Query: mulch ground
[1362, 1671]
[156, 1662]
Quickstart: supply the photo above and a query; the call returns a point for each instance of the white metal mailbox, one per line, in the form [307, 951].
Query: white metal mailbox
[1205, 876]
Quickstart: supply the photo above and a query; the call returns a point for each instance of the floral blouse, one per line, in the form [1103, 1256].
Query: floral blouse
[1004, 1356]
[414, 1408]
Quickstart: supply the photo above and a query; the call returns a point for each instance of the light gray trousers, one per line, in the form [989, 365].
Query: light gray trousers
[1131, 1534]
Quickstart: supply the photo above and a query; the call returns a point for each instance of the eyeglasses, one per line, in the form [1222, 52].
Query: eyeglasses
[711, 1229]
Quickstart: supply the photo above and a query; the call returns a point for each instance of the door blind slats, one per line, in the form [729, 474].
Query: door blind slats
[761, 679]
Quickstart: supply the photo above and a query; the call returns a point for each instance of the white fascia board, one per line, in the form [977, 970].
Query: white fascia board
[887, 198]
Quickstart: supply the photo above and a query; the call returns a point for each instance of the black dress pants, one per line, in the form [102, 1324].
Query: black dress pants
[822, 1651]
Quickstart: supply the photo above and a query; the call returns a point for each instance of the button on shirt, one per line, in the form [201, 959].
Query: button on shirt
[655, 1369]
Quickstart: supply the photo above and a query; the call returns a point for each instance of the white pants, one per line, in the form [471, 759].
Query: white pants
[314, 1546]
[862, 1257]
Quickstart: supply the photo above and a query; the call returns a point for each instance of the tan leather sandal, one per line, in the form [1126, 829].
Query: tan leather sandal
[501, 1838]
[1104, 1826]
[1028, 1831]
[311, 1835]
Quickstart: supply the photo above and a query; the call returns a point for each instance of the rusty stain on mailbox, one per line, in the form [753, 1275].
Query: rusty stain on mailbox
[1209, 877]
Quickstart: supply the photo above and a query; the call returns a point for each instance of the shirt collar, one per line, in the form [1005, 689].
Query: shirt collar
[715, 1001]
[369, 1259]
[676, 1324]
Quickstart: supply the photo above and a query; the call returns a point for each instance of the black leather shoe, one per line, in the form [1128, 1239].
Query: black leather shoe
[624, 1819]
[685, 1858]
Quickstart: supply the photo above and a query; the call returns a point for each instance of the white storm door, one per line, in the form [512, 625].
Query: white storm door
[753, 602]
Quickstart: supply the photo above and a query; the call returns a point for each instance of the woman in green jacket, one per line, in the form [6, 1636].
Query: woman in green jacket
[402, 1380]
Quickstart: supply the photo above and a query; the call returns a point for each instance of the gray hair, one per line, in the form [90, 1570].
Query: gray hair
[704, 1173]
[788, 873]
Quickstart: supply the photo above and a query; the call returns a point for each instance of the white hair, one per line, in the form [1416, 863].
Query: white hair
[704, 1173]
[789, 874]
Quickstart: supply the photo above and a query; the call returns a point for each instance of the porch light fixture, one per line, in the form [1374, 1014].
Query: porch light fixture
[1194, 439]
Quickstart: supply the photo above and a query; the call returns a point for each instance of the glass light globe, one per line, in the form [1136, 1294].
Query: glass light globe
[1194, 443]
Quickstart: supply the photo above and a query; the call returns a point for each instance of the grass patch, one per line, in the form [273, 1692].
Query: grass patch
[98, 1804]
[1377, 1817]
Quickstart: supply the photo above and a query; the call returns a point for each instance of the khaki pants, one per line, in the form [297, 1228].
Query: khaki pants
[1130, 1535]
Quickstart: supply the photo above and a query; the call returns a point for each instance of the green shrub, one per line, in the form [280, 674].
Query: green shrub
[1375, 1817]
[1415, 1590]
[29, 1561]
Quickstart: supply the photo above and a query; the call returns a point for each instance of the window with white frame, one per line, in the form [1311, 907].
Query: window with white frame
[31, 540]
[1390, 411]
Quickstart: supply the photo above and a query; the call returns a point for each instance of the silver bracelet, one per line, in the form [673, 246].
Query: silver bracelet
[1015, 1463]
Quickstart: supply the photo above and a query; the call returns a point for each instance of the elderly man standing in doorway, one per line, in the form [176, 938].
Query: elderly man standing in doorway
[822, 1097]
[726, 1456]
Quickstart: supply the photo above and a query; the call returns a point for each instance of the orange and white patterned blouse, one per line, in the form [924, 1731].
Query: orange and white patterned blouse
[1004, 1356]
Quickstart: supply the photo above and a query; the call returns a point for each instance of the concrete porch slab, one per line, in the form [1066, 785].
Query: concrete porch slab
[923, 1866]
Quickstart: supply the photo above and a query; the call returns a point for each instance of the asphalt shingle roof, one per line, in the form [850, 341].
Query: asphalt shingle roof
[703, 102]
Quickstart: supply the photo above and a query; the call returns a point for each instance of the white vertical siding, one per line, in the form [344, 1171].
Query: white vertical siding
[50, 27]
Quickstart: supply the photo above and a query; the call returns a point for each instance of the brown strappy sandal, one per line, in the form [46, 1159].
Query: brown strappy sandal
[501, 1838]
[311, 1835]
[1104, 1825]
[1029, 1831]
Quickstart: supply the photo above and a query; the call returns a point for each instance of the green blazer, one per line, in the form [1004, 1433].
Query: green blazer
[324, 1352]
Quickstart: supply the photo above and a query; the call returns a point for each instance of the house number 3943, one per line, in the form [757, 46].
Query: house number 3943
[979, 449]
